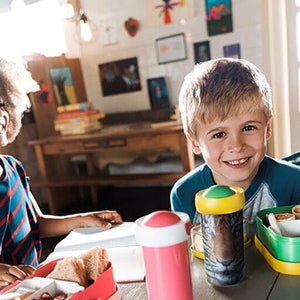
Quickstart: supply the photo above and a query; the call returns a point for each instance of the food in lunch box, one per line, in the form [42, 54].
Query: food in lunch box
[83, 269]
[70, 269]
[23, 293]
[296, 211]
[95, 261]
[58, 296]
[284, 217]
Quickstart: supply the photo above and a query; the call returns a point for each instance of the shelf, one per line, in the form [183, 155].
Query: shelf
[129, 180]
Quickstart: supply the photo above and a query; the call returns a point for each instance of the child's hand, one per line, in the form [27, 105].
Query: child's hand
[105, 219]
[9, 274]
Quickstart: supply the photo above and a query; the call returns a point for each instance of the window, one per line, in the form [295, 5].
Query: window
[298, 47]
[293, 47]
[37, 28]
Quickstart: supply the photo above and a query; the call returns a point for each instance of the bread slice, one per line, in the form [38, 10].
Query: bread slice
[70, 269]
[83, 269]
[95, 261]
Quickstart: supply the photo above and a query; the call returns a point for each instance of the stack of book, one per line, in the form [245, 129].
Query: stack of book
[77, 118]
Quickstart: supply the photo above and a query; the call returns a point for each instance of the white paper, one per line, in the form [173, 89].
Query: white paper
[124, 253]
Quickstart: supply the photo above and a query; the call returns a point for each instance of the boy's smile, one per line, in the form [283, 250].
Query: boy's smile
[234, 148]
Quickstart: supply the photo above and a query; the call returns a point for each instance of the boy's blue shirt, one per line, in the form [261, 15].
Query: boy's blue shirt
[277, 183]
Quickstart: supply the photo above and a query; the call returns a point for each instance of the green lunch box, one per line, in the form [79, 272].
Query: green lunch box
[281, 247]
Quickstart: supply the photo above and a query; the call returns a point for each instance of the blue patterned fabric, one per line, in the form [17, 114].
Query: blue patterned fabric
[20, 239]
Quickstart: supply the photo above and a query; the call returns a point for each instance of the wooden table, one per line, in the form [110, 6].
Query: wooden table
[134, 136]
[260, 282]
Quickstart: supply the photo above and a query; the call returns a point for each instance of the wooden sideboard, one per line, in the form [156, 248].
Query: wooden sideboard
[132, 136]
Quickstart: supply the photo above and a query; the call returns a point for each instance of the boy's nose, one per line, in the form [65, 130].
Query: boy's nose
[236, 144]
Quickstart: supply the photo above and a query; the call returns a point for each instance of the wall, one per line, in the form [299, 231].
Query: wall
[258, 25]
[247, 30]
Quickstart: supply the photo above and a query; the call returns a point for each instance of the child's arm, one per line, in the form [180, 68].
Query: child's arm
[59, 225]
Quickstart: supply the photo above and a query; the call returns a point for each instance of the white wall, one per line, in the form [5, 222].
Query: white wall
[247, 30]
[258, 25]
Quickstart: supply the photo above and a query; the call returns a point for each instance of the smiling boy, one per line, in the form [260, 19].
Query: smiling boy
[226, 111]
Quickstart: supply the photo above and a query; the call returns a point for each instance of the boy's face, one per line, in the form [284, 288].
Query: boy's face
[234, 148]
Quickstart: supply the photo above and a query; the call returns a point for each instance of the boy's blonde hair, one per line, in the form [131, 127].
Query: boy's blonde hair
[220, 88]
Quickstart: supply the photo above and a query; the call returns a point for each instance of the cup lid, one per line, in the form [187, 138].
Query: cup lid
[220, 199]
[162, 228]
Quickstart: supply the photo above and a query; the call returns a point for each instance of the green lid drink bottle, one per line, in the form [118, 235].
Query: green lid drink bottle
[221, 214]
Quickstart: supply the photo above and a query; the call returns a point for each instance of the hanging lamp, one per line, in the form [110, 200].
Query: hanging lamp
[86, 30]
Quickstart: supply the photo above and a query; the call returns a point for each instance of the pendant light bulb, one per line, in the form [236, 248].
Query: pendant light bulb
[85, 28]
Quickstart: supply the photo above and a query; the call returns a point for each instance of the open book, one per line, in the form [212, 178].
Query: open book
[124, 253]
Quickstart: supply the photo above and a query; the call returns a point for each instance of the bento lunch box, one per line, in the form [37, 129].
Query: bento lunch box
[286, 249]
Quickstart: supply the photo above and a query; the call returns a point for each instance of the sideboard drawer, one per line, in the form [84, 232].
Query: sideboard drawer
[63, 148]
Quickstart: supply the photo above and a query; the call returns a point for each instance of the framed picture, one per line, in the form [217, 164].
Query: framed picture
[233, 51]
[201, 52]
[171, 48]
[158, 93]
[63, 86]
[218, 16]
[120, 76]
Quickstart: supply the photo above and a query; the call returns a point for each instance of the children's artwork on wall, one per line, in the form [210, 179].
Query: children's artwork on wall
[132, 26]
[232, 51]
[63, 86]
[218, 16]
[109, 30]
[171, 48]
[120, 76]
[162, 12]
[44, 94]
[158, 93]
[201, 52]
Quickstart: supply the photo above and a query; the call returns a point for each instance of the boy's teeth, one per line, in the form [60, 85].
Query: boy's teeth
[237, 162]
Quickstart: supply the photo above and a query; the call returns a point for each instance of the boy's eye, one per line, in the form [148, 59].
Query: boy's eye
[249, 128]
[219, 135]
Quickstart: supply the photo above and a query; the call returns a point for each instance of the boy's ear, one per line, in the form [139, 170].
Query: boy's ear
[269, 129]
[195, 146]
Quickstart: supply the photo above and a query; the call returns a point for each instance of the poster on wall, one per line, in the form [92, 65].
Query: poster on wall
[162, 12]
[109, 30]
[64, 89]
[201, 52]
[120, 76]
[158, 93]
[218, 16]
[171, 48]
[233, 51]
